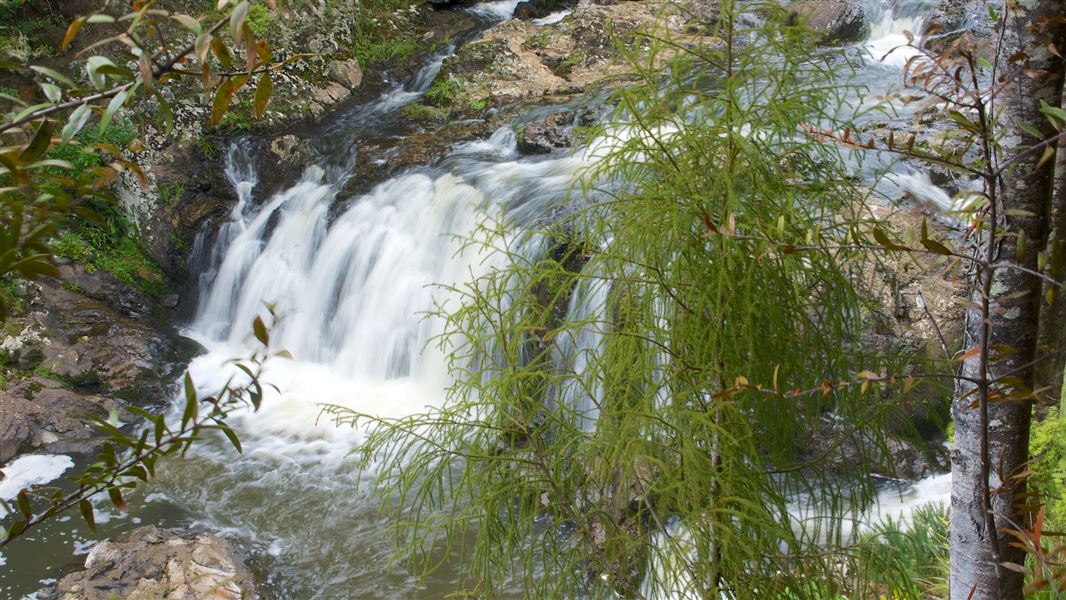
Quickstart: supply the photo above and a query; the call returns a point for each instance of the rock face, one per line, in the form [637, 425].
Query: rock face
[538, 9]
[151, 563]
[84, 344]
[844, 450]
[952, 18]
[550, 133]
[517, 60]
[835, 21]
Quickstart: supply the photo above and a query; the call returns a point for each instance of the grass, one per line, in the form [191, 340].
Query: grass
[109, 246]
[907, 561]
[445, 91]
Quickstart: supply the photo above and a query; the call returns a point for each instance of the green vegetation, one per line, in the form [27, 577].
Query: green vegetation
[49, 374]
[109, 245]
[11, 294]
[424, 113]
[259, 20]
[445, 91]
[650, 469]
[1047, 445]
[905, 560]
[384, 33]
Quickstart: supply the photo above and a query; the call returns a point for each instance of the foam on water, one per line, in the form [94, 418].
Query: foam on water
[30, 470]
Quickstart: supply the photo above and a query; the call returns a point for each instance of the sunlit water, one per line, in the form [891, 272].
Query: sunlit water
[354, 280]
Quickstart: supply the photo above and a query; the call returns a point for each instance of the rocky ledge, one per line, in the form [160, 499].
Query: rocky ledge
[150, 563]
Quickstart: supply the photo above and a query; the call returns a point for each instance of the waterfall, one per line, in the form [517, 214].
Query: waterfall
[355, 282]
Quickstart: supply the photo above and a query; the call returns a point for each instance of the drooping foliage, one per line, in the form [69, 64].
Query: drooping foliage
[636, 390]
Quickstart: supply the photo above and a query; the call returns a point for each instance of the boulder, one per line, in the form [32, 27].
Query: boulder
[41, 415]
[345, 72]
[834, 21]
[550, 133]
[149, 563]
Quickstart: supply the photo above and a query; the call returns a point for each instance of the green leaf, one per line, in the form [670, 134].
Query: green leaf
[236, 20]
[77, 120]
[86, 509]
[23, 502]
[936, 247]
[1056, 115]
[92, 68]
[260, 330]
[17, 528]
[167, 112]
[55, 75]
[116, 498]
[191, 403]
[188, 23]
[262, 94]
[223, 97]
[52, 91]
[112, 108]
[228, 431]
[39, 145]
[886, 242]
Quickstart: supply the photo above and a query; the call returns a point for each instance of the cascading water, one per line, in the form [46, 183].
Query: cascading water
[353, 292]
[352, 280]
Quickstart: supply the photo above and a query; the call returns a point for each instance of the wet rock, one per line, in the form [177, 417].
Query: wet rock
[518, 61]
[149, 563]
[538, 9]
[95, 347]
[550, 133]
[290, 149]
[844, 449]
[952, 18]
[835, 21]
[41, 415]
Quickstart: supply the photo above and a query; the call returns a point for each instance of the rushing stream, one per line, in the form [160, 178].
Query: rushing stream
[352, 280]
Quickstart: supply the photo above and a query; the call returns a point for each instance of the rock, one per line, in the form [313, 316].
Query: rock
[39, 415]
[538, 9]
[952, 18]
[290, 150]
[345, 72]
[149, 563]
[550, 133]
[95, 347]
[835, 21]
[844, 449]
[334, 92]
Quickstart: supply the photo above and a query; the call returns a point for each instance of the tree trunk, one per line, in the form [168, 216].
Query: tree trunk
[992, 433]
[1052, 340]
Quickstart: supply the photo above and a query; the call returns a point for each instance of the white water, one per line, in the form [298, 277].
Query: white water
[353, 280]
[31, 470]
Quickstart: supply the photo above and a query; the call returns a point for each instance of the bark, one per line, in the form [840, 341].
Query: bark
[991, 431]
[1052, 340]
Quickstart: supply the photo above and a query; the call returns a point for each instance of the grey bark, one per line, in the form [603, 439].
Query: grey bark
[992, 435]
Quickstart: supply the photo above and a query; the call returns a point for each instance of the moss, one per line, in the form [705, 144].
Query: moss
[259, 21]
[172, 193]
[424, 113]
[11, 299]
[445, 91]
[50, 374]
[110, 247]
[1047, 445]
